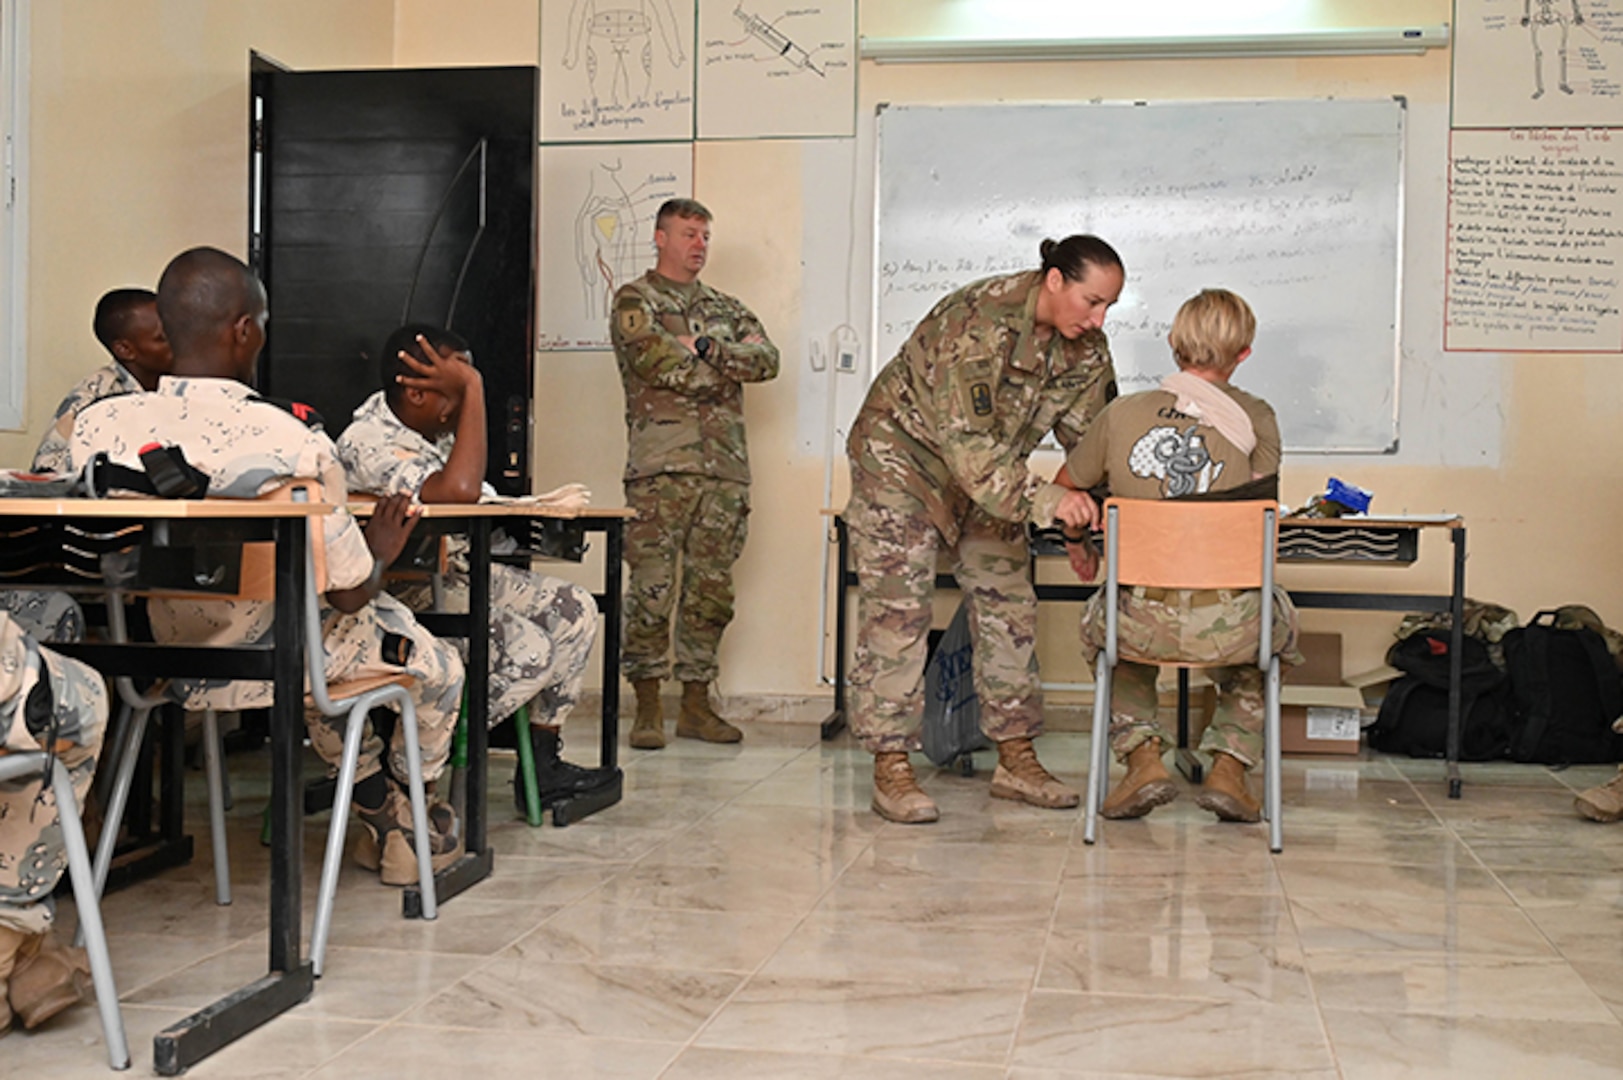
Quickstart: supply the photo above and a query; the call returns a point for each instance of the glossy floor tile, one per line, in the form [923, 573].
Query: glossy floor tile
[743, 914]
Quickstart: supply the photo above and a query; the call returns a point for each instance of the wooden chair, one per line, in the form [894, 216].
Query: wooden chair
[15, 766]
[1174, 544]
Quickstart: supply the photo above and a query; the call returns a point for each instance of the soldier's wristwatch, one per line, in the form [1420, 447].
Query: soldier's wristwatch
[701, 345]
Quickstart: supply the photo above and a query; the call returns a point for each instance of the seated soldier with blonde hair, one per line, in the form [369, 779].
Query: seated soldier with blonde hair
[1195, 434]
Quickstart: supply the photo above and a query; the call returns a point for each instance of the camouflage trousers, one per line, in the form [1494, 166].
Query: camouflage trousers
[32, 856]
[895, 547]
[1212, 629]
[45, 615]
[701, 522]
[541, 634]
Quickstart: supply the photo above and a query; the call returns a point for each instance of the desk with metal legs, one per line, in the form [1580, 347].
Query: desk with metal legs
[289, 978]
[478, 520]
[1363, 541]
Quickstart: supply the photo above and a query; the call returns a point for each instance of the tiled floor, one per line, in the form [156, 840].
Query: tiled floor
[742, 914]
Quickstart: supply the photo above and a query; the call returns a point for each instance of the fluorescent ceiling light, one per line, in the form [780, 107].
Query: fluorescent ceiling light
[1362, 41]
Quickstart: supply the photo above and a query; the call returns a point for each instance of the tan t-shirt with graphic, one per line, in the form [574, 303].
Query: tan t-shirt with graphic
[1146, 449]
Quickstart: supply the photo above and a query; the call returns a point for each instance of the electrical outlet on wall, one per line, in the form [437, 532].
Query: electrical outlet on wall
[846, 349]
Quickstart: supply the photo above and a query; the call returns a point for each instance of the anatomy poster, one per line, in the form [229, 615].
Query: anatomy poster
[616, 70]
[597, 231]
[775, 68]
[1538, 63]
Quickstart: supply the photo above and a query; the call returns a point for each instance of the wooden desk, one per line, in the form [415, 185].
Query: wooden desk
[1369, 541]
[478, 520]
[289, 979]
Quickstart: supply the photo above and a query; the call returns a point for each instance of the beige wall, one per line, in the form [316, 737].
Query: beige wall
[138, 151]
[139, 147]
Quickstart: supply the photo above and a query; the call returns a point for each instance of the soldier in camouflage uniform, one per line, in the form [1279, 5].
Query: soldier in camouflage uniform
[938, 462]
[128, 327]
[213, 310]
[46, 702]
[424, 436]
[1193, 435]
[684, 352]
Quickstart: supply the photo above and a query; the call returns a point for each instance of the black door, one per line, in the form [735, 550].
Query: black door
[384, 197]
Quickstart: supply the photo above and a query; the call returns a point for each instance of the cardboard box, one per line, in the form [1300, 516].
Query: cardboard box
[1318, 713]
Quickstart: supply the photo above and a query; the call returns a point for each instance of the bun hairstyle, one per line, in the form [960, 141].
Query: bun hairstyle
[1073, 255]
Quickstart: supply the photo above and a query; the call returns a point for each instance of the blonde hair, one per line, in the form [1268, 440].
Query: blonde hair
[1211, 330]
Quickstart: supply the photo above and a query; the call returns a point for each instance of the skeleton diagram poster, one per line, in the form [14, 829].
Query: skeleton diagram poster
[616, 70]
[1535, 179]
[1538, 63]
[597, 231]
[776, 68]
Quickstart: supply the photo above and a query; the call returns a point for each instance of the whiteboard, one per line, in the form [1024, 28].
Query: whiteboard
[1295, 205]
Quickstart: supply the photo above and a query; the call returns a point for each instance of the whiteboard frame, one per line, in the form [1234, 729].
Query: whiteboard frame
[877, 363]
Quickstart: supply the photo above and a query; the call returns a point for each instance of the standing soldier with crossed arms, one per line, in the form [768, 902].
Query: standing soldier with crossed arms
[685, 351]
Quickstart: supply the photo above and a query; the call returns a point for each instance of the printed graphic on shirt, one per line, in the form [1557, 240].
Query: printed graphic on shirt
[1179, 459]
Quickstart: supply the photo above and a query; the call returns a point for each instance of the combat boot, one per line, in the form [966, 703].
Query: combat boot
[11, 941]
[1146, 785]
[1021, 777]
[1604, 803]
[385, 843]
[699, 720]
[1224, 792]
[46, 977]
[555, 778]
[648, 730]
[896, 792]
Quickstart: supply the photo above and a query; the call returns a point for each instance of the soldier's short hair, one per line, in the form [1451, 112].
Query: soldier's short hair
[683, 208]
[115, 311]
[404, 340]
[1211, 330]
[202, 290]
[1073, 255]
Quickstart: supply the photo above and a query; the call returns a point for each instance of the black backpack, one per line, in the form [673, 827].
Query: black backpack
[1568, 692]
[1414, 714]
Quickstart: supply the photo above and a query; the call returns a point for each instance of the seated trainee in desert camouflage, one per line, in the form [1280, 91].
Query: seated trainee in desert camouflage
[46, 702]
[214, 309]
[938, 458]
[1194, 434]
[424, 436]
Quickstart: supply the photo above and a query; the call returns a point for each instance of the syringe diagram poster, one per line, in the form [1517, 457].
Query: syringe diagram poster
[1538, 63]
[616, 70]
[775, 68]
[598, 204]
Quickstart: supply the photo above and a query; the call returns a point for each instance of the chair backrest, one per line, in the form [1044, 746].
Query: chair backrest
[1198, 544]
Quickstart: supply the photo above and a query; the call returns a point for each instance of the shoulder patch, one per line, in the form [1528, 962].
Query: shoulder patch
[632, 319]
[305, 414]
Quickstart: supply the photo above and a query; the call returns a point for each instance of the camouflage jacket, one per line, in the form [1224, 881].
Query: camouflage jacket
[382, 456]
[104, 382]
[684, 414]
[953, 418]
[247, 446]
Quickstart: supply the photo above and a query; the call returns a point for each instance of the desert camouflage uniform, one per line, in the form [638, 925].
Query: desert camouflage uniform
[32, 856]
[1146, 449]
[56, 616]
[248, 446]
[687, 466]
[938, 462]
[105, 382]
[541, 627]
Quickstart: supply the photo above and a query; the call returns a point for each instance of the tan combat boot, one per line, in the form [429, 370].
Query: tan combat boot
[648, 730]
[1146, 785]
[1604, 803]
[1224, 792]
[1021, 777]
[386, 842]
[699, 721]
[896, 792]
[46, 977]
[10, 942]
